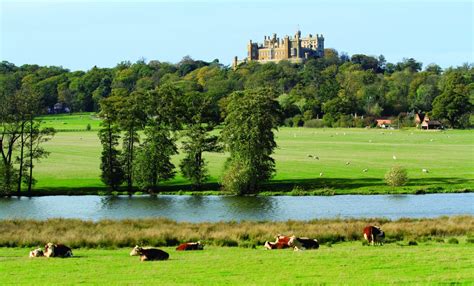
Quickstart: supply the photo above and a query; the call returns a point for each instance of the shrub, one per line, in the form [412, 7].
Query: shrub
[453, 240]
[314, 123]
[297, 120]
[470, 240]
[397, 176]
[412, 243]
[88, 127]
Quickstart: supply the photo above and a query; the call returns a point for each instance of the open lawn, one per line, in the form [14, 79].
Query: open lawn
[343, 155]
[345, 263]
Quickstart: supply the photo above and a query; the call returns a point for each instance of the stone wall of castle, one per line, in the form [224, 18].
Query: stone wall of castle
[294, 49]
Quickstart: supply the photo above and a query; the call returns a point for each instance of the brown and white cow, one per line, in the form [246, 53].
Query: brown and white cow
[190, 246]
[280, 243]
[149, 254]
[57, 250]
[374, 235]
[297, 243]
[37, 253]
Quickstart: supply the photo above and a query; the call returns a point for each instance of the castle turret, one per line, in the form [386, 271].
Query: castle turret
[298, 43]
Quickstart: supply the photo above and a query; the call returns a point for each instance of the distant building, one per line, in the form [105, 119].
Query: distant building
[424, 121]
[431, 124]
[294, 49]
[419, 118]
[383, 123]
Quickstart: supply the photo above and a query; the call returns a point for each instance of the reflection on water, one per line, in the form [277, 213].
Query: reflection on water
[226, 208]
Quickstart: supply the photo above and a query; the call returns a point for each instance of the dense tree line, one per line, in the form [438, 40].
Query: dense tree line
[340, 90]
[144, 104]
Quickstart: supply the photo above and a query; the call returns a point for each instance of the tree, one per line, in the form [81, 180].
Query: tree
[252, 116]
[35, 152]
[153, 163]
[453, 103]
[199, 120]
[112, 172]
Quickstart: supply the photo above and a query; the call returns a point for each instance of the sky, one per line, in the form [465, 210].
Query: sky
[81, 34]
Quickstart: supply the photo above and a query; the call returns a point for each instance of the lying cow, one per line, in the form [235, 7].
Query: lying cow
[297, 243]
[57, 250]
[280, 243]
[149, 253]
[374, 235]
[37, 253]
[190, 246]
[301, 243]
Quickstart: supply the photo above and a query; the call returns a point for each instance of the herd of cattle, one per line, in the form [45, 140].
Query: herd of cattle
[372, 234]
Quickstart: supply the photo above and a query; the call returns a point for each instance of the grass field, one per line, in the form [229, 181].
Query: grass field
[343, 155]
[345, 263]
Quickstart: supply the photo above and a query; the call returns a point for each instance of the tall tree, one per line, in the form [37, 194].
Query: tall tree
[453, 104]
[153, 163]
[199, 121]
[251, 117]
[112, 173]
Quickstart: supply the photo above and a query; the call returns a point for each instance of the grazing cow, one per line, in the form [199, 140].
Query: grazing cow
[37, 253]
[57, 250]
[300, 243]
[374, 235]
[150, 254]
[190, 246]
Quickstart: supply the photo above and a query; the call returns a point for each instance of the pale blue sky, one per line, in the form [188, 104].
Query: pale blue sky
[81, 34]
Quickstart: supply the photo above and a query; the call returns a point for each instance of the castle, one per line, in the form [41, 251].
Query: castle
[294, 49]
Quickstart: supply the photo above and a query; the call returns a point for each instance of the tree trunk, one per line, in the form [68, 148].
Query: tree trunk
[22, 145]
[30, 179]
[111, 170]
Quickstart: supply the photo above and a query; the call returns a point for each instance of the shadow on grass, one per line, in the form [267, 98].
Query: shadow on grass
[335, 185]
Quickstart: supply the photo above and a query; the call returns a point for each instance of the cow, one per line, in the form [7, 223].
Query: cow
[374, 235]
[149, 254]
[37, 253]
[301, 243]
[57, 250]
[280, 243]
[297, 243]
[190, 246]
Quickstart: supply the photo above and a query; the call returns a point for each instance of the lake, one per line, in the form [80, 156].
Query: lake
[226, 208]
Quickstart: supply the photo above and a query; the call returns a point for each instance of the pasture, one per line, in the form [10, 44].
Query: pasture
[348, 160]
[347, 263]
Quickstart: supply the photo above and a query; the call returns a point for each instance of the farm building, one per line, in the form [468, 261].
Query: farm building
[431, 124]
[384, 123]
[419, 118]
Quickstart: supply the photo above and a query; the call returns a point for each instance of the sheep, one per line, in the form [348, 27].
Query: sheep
[321, 174]
[365, 170]
[347, 163]
[425, 170]
[394, 157]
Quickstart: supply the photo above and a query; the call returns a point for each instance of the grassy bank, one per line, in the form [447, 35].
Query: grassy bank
[164, 232]
[346, 263]
[73, 166]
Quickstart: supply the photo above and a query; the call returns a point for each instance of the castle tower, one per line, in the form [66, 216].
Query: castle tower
[298, 43]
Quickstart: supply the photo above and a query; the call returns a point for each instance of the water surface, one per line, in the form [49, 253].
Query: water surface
[227, 208]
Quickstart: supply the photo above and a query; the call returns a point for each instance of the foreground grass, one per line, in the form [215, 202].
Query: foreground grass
[346, 263]
[249, 234]
[73, 166]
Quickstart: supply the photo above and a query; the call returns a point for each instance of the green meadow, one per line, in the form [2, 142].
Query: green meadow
[347, 263]
[348, 160]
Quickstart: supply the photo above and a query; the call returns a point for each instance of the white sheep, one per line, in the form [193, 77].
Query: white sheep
[365, 170]
[425, 170]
